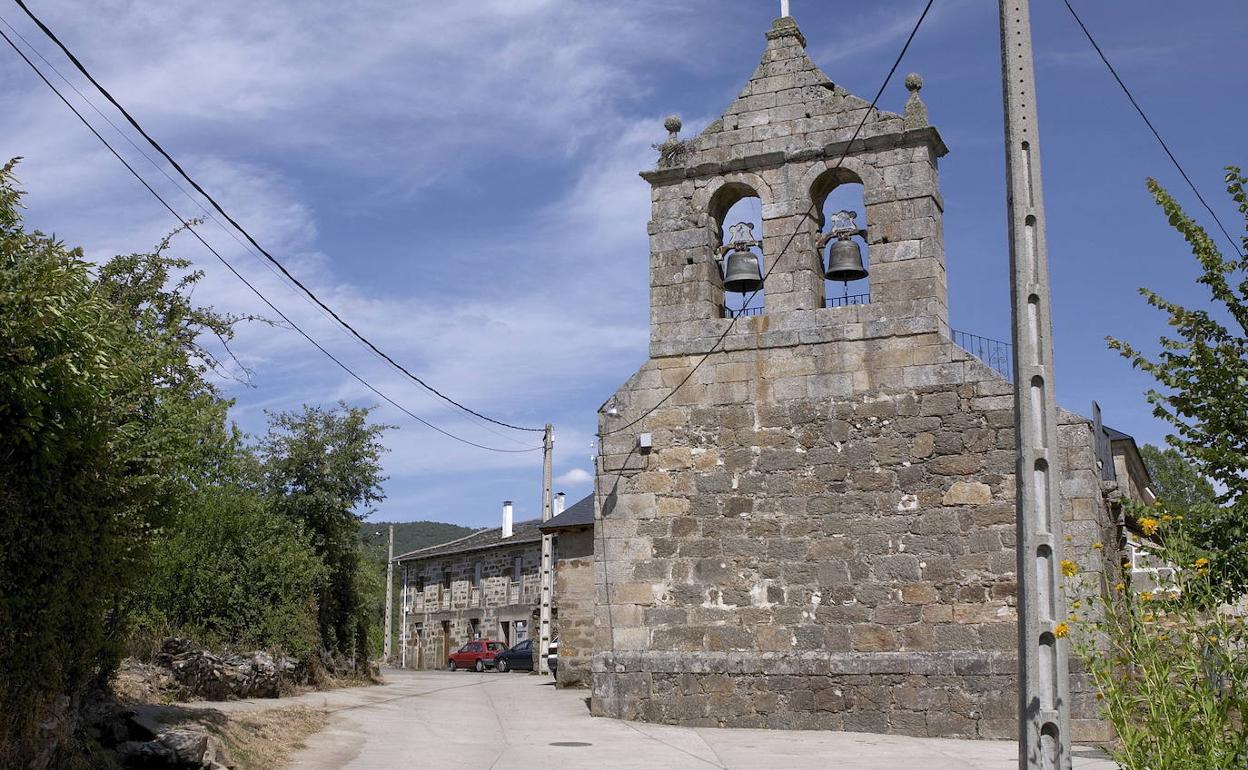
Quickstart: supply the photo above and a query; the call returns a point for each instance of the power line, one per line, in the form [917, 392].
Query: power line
[866, 114]
[198, 188]
[231, 268]
[1149, 123]
[247, 248]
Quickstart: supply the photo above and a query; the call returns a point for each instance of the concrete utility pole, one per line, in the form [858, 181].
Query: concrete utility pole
[548, 547]
[389, 595]
[1043, 683]
[403, 622]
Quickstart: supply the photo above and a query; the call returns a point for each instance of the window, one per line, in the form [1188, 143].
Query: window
[517, 568]
[476, 574]
[497, 646]
[840, 190]
[446, 578]
[420, 582]
[741, 222]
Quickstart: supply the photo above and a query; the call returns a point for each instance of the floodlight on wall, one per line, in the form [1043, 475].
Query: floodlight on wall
[845, 257]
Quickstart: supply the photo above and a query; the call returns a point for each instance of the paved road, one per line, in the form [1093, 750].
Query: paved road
[469, 721]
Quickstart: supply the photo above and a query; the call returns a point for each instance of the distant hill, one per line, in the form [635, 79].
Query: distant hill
[409, 535]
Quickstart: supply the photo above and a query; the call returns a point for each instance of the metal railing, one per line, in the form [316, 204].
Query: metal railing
[737, 312]
[847, 300]
[995, 353]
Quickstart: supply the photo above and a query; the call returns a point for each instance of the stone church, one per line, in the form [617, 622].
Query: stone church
[816, 529]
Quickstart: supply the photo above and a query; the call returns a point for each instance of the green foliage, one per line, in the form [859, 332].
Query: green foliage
[408, 535]
[230, 573]
[1168, 665]
[106, 425]
[1175, 480]
[1202, 371]
[322, 471]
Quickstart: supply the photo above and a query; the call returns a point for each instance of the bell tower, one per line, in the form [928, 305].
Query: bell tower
[786, 141]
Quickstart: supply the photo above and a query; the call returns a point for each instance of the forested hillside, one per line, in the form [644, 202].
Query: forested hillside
[408, 535]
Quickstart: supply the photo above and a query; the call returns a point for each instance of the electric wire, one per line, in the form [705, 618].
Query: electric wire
[198, 188]
[1151, 127]
[236, 273]
[844, 153]
[247, 248]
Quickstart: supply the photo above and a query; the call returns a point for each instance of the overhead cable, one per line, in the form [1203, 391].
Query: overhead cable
[865, 115]
[239, 275]
[199, 188]
[1152, 128]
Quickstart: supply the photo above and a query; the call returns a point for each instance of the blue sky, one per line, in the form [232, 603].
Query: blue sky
[460, 181]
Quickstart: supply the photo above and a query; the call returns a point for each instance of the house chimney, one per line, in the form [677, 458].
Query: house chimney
[506, 519]
[559, 500]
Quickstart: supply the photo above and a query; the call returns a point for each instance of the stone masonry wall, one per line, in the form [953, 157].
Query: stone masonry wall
[823, 534]
[574, 591]
[488, 604]
[838, 562]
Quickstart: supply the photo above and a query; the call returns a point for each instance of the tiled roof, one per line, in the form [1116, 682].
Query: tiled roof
[580, 514]
[522, 532]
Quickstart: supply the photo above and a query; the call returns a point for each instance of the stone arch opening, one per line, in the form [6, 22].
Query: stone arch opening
[733, 204]
[836, 190]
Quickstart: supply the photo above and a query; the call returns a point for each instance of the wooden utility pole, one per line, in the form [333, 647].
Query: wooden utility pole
[1043, 682]
[548, 547]
[389, 597]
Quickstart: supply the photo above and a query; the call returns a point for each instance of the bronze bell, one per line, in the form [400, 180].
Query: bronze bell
[845, 261]
[741, 271]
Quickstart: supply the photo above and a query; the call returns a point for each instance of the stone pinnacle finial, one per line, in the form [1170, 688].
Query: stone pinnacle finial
[672, 124]
[916, 110]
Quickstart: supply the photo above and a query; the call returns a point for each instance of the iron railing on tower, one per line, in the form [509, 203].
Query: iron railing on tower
[997, 354]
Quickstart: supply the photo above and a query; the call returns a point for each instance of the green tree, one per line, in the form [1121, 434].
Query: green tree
[107, 423]
[322, 470]
[229, 572]
[1175, 480]
[1202, 371]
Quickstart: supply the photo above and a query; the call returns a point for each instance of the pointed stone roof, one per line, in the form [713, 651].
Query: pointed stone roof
[789, 107]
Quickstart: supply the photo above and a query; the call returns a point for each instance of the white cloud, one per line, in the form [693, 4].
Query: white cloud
[575, 477]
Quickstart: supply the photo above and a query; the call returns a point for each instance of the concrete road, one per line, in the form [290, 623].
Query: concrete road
[469, 721]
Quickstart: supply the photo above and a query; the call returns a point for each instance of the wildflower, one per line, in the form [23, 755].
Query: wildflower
[1076, 604]
[1146, 595]
[1074, 617]
[1120, 586]
[1167, 517]
[1202, 563]
[1149, 526]
[1100, 696]
[1098, 546]
[1149, 618]
[1069, 568]
[1061, 630]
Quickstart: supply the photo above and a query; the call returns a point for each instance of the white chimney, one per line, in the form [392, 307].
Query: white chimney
[559, 499]
[506, 518]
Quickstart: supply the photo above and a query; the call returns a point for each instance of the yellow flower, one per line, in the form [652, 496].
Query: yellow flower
[1074, 617]
[1069, 568]
[1166, 517]
[1202, 563]
[1061, 630]
[1146, 595]
[1100, 696]
[1076, 604]
[1098, 546]
[1120, 586]
[1148, 618]
[1149, 526]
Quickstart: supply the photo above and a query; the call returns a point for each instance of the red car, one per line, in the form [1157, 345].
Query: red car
[477, 655]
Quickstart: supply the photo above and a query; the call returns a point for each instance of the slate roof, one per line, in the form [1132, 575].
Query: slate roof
[581, 514]
[482, 539]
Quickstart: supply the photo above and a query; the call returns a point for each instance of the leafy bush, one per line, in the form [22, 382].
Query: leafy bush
[230, 573]
[106, 422]
[1169, 665]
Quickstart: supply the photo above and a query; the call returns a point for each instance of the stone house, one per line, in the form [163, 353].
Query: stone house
[486, 585]
[816, 529]
[574, 590]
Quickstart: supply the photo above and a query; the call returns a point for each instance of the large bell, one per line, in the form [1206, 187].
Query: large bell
[741, 272]
[845, 261]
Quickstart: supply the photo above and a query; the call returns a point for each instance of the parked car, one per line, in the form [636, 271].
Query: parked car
[518, 658]
[552, 657]
[477, 655]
